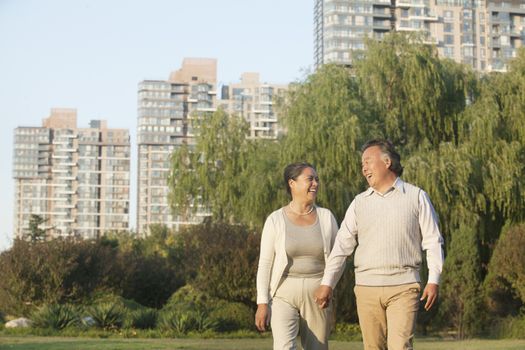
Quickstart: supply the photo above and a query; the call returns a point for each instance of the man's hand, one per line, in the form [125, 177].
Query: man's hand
[431, 294]
[262, 317]
[322, 296]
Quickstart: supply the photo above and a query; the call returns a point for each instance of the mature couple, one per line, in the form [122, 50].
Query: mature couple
[303, 255]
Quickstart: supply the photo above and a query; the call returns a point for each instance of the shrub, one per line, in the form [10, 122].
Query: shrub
[347, 332]
[176, 321]
[55, 316]
[232, 316]
[509, 327]
[108, 316]
[222, 259]
[54, 272]
[189, 298]
[143, 318]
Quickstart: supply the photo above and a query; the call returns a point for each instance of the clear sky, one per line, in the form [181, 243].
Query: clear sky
[91, 54]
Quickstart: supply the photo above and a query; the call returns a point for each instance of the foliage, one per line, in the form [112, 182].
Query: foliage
[107, 316]
[209, 312]
[57, 271]
[347, 331]
[223, 259]
[230, 316]
[56, 316]
[505, 283]
[324, 117]
[34, 232]
[508, 327]
[148, 279]
[461, 284]
[180, 322]
[143, 318]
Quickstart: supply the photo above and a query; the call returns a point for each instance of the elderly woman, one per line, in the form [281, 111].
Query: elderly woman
[296, 241]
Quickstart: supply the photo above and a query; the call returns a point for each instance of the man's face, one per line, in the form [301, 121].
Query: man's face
[375, 167]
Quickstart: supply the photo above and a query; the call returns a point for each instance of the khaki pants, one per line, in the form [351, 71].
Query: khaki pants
[295, 312]
[387, 315]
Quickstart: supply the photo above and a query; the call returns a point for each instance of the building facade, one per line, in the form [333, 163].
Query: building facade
[76, 179]
[255, 102]
[165, 110]
[484, 34]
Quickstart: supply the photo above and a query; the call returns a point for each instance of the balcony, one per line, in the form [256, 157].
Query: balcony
[382, 13]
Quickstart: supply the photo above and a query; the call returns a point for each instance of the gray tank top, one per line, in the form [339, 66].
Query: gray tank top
[304, 248]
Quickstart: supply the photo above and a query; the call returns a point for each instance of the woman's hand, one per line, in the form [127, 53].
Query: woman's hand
[262, 317]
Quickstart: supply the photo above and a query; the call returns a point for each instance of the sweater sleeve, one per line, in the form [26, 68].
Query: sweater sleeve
[431, 238]
[344, 245]
[266, 259]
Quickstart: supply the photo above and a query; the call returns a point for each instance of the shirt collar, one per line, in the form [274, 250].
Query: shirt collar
[397, 185]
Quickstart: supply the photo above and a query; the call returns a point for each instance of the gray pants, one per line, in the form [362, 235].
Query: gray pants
[294, 312]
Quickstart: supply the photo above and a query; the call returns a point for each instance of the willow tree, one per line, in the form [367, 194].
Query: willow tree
[326, 124]
[234, 177]
[415, 95]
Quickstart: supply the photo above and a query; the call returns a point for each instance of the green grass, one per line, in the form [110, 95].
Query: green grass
[63, 343]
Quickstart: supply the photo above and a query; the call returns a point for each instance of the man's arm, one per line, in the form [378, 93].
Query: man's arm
[432, 243]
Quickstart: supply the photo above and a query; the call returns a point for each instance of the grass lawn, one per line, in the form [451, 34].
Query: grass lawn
[65, 343]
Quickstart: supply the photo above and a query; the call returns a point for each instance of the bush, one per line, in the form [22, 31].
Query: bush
[56, 316]
[232, 316]
[347, 332]
[210, 313]
[54, 272]
[189, 298]
[143, 318]
[107, 316]
[509, 327]
[149, 280]
[176, 321]
[222, 260]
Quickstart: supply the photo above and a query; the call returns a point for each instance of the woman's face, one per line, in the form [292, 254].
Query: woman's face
[305, 186]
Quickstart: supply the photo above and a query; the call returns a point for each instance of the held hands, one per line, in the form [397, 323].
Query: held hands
[431, 294]
[262, 317]
[322, 296]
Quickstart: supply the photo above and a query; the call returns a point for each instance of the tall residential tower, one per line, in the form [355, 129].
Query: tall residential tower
[484, 34]
[165, 109]
[76, 179]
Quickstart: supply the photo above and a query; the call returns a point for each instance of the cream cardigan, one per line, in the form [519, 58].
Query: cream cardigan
[273, 258]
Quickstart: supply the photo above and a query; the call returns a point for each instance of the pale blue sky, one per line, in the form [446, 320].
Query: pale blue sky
[90, 55]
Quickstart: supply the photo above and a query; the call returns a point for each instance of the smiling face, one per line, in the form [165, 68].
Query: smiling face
[305, 186]
[376, 169]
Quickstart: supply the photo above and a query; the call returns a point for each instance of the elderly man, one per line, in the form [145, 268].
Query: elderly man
[388, 225]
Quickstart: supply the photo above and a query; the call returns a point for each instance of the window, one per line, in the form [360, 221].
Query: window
[448, 28]
[449, 40]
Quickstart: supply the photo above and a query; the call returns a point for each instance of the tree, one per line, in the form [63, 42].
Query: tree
[325, 118]
[34, 232]
[505, 282]
[461, 304]
[415, 96]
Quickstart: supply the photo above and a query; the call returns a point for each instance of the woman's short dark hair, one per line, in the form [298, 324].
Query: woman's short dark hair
[387, 148]
[292, 172]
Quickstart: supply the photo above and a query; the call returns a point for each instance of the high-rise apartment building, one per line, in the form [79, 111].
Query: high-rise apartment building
[340, 27]
[76, 179]
[506, 25]
[484, 34]
[254, 101]
[165, 110]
